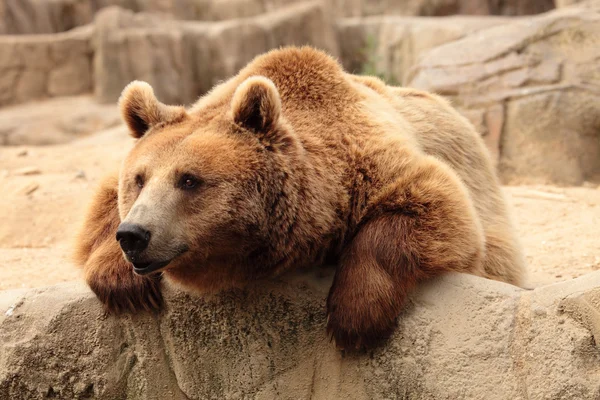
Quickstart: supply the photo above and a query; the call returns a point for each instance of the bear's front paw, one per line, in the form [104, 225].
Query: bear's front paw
[358, 320]
[125, 292]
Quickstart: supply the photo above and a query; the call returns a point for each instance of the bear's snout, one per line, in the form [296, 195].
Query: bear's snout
[133, 239]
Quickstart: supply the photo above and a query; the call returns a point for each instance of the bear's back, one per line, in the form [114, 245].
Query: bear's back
[307, 79]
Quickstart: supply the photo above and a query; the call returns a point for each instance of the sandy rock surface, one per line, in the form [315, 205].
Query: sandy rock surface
[461, 337]
[45, 193]
[55, 121]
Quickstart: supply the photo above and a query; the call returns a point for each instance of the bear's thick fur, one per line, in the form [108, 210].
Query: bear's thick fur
[290, 163]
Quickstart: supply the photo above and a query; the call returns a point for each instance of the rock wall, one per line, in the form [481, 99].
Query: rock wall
[361, 8]
[33, 67]
[183, 60]
[148, 38]
[391, 46]
[531, 88]
[502, 73]
[461, 337]
[52, 16]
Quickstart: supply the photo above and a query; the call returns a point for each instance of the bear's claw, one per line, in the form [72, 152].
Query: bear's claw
[373, 334]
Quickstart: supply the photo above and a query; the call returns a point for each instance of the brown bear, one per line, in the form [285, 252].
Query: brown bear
[290, 163]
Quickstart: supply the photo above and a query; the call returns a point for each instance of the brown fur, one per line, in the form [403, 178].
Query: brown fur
[299, 161]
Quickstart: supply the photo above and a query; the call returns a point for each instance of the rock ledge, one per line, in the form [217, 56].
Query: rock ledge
[461, 337]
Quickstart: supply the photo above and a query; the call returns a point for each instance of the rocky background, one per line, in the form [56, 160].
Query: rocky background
[500, 65]
[525, 72]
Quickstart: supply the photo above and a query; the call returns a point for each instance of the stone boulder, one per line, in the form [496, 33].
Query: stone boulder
[390, 46]
[183, 60]
[37, 66]
[461, 337]
[531, 87]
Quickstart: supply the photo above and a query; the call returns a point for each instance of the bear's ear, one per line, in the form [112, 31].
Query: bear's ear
[141, 110]
[256, 105]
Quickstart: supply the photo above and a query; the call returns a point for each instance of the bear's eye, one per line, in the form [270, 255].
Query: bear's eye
[139, 181]
[188, 181]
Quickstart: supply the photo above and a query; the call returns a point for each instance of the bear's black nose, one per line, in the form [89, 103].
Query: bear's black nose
[133, 239]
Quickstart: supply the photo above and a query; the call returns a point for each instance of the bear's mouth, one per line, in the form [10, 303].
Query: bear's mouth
[146, 268]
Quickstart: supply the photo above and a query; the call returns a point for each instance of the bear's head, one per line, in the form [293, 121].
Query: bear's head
[197, 191]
